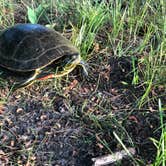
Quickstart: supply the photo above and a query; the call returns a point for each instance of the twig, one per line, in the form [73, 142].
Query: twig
[111, 158]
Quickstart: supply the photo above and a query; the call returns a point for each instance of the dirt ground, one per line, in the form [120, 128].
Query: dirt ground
[52, 123]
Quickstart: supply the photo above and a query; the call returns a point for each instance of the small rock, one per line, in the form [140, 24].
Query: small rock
[43, 117]
[19, 110]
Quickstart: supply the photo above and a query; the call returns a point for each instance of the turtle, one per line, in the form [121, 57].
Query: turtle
[37, 52]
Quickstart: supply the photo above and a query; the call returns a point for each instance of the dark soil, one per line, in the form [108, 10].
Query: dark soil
[44, 126]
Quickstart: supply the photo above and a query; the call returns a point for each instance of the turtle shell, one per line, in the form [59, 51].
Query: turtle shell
[27, 47]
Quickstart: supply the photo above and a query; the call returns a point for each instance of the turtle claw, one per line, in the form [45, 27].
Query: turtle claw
[84, 67]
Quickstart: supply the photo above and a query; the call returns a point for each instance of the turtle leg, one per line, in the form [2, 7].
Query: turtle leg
[49, 76]
[26, 82]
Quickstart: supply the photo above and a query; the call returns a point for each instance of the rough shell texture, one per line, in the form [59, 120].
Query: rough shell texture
[26, 47]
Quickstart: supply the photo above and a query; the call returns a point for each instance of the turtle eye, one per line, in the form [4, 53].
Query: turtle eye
[74, 57]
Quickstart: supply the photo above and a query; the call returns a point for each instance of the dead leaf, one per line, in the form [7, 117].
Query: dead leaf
[71, 86]
[97, 47]
[2, 108]
[133, 118]
[3, 158]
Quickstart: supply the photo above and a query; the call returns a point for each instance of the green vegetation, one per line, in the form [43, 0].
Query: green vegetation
[161, 144]
[130, 28]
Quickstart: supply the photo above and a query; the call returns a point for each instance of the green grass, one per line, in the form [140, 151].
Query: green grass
[91, 19]
[6, 13]
[161, 144]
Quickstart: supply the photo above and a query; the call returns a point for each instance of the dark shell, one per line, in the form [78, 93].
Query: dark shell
[26, 47]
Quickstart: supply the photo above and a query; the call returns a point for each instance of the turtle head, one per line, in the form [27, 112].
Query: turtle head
[73, 61]
[69, 62]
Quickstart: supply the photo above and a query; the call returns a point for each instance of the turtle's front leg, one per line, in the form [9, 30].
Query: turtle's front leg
[26, 82]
